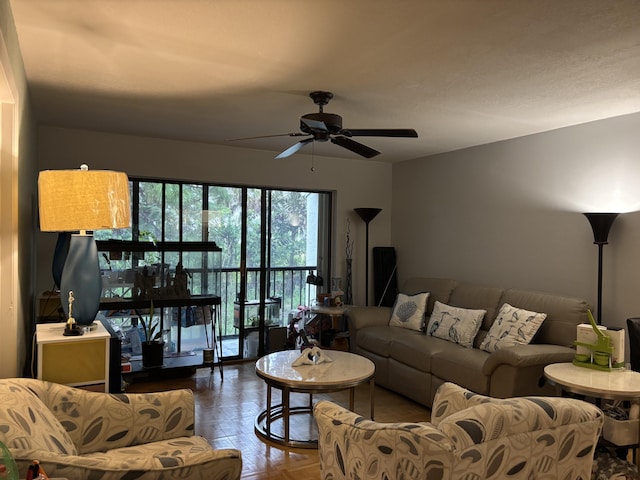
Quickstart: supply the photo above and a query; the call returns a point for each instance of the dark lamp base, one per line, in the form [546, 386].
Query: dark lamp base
[72, 332]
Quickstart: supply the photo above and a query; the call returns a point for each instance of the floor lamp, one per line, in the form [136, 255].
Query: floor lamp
[82, 201]
[600, 224]
[367, 214]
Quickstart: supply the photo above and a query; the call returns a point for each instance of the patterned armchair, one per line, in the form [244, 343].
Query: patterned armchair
[79, 435]
[470, 437]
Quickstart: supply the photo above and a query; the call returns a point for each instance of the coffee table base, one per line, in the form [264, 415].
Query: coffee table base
[284, 411]
[263, 427]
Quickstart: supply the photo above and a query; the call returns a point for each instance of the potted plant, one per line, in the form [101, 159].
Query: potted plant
[153, 346]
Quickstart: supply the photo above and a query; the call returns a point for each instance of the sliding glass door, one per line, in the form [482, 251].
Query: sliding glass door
[280, 243]
[270, 240]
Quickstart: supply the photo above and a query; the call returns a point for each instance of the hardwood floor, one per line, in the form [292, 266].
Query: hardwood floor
[226, 411]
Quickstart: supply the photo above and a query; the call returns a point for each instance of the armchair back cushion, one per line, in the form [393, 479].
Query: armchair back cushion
[97, 422]
[471, 437]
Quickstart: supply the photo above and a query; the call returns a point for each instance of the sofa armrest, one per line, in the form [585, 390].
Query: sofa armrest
[521, 356]
[360, 317]
[100, 422]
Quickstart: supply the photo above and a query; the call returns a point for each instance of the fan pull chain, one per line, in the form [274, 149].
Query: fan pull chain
[313, 157]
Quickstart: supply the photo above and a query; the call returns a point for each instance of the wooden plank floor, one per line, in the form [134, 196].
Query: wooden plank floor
[226, 411]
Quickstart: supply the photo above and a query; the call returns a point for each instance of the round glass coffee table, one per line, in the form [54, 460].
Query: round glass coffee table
[346, 371]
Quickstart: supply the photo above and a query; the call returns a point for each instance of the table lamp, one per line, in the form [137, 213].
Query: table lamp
[79, 201]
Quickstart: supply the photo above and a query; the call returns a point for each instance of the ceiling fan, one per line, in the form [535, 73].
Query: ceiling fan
[322, 127]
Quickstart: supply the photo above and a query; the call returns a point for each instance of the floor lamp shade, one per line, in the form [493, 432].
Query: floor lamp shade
[601, 224]
[77, 201]
[367, 214]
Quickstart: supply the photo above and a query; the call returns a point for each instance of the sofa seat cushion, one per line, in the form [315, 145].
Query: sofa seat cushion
[378, 338]
[26, 423]
[416, 351]
[463, 367]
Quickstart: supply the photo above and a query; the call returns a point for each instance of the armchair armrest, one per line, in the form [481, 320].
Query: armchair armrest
[99, 422]
[521, 356]
[352, 447]
[451, 398]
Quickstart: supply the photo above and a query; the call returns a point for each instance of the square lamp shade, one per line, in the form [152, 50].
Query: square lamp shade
[77, 201]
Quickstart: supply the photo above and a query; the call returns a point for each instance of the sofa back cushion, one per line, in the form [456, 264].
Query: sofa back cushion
[26, 423]
[438, 288]
[466, 295]
[563, 314]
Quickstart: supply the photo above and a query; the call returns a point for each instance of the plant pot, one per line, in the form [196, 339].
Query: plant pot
[152, 354]
[207, 355]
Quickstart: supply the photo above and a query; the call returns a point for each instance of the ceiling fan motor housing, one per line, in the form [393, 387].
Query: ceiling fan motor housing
[332, 121]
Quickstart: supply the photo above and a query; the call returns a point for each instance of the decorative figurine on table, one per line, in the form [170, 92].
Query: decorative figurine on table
[312, 356]
[71, 329]
[600, 353]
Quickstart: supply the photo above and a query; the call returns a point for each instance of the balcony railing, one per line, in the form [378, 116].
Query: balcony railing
[286, 283]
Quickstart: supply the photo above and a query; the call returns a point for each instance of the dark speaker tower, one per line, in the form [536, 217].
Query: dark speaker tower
[385, 280]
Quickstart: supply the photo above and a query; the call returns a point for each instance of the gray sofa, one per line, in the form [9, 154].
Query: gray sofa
[415, 364]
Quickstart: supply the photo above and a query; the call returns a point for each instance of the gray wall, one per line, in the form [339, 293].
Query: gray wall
[508, 214]
[356, 183]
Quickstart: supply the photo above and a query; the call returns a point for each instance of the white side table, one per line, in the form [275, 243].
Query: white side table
[75, 361]
[613, 385]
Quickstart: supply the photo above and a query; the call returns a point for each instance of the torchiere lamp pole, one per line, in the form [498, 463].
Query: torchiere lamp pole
[600, 224]
[367, 214]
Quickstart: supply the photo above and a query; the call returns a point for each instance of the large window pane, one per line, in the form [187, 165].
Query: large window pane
[224, 221]
[192, 213]
[150, 211]
[172, 213]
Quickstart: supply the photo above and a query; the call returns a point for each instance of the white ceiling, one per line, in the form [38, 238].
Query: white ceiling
[461, 72]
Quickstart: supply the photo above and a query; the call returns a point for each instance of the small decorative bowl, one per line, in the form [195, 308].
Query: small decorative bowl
[582, 357]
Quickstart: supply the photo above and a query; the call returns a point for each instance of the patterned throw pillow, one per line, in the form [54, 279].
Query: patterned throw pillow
[512, 326]
[457, 325]
[408, 311]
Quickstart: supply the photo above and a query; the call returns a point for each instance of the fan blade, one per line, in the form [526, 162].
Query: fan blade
[360, 149]
[296, 134]
[314, 124]
[379, 132]
[294, 148]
